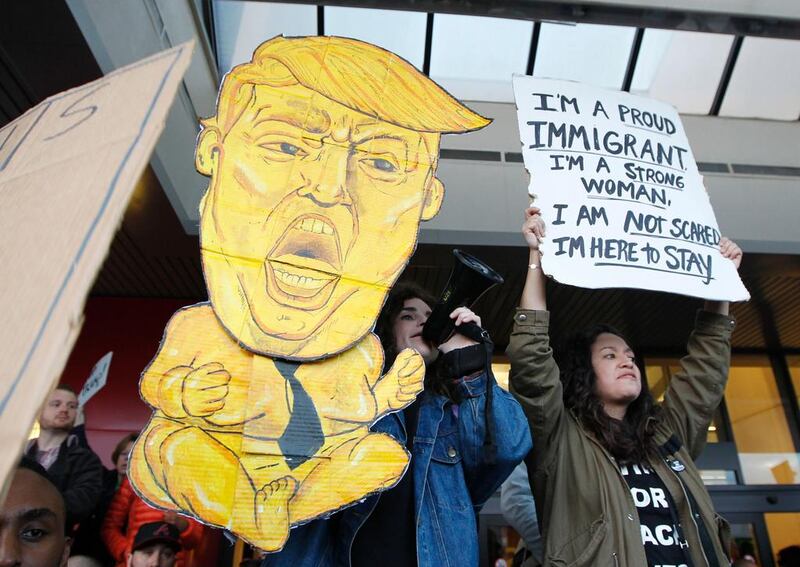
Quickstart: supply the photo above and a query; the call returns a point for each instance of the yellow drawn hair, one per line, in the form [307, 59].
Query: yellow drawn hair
[358, 75]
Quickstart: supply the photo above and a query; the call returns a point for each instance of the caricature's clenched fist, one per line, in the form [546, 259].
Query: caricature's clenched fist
[402, 383]
[204, 389]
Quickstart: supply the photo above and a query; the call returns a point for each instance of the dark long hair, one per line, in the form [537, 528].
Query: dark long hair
[121, 445]
[384, 328]
[629, 439]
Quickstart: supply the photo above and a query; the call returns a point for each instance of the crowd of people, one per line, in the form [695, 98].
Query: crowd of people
[83, 514]
[596, 473]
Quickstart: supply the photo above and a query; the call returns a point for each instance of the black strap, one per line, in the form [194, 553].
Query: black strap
[479, 335]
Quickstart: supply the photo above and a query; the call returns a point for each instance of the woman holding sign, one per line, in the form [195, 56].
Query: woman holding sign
[612, 472]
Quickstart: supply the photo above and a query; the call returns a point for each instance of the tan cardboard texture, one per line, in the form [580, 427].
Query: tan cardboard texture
[67, 169]
[322, 162]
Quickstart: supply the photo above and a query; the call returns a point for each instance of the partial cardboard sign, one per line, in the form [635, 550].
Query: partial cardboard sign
[322, 162]
[96, 380]
[67, 169]
[619, 189]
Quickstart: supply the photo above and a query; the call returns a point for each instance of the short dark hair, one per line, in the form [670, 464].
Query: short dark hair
[66, 388]
[121, 446]
[29, 464]
[789, 556]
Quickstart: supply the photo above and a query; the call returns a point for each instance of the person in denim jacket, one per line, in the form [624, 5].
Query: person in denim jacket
[430, 516]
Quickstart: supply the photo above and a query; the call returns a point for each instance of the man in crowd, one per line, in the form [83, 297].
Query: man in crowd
[75, 469]
[33, 520]
[156, 544]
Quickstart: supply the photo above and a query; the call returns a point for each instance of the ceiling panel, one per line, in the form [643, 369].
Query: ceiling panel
[681, 68]
[593, 54]
[242, 26]
[474, 57]
[766, 80]
[400, 32]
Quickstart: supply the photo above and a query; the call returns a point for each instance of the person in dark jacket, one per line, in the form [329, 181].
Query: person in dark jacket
[76, 471]
[88, 548]
[612, 472]
[429, 518]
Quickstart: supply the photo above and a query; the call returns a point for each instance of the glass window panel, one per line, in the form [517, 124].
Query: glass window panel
[500, 370]
[400, 32]
[794, 371]
[474, 57]
[681, 68]
[718, 477]
[766, 449]
[242, 26]
[783, 530]
[766, 80]
[589, 53]
[744, 542]
[659, 372]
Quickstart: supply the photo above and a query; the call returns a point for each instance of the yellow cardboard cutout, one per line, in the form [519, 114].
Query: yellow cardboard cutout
[322, 158]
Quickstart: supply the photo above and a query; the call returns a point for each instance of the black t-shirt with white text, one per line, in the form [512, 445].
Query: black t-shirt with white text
[662, 536]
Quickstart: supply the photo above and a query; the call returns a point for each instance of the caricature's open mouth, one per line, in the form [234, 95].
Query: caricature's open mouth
[305, 265]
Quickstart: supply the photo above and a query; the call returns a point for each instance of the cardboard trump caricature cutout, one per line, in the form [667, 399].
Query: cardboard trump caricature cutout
[322, 158]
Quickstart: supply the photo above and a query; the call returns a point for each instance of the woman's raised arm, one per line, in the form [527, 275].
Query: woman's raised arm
[533, 294]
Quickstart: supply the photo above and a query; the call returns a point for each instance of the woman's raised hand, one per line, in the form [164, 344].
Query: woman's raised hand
[533, 229]
[730, 250]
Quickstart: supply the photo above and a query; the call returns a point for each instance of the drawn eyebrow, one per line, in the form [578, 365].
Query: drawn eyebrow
[378, 135]
[319, 122]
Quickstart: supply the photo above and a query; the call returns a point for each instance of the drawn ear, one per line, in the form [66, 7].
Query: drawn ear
[434, 195]
[206, 153]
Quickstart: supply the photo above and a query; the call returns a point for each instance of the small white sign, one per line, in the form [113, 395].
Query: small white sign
[619, 189]
[96, 380]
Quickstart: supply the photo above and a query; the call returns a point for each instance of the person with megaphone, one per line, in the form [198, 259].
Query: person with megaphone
[452, 430]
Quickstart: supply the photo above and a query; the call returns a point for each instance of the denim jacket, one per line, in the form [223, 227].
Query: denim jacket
[451, 481]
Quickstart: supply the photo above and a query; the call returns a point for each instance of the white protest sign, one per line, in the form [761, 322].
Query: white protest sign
[96, 380]
[619, 189]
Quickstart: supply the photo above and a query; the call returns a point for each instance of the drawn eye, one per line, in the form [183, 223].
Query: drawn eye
[383, 165]
[283, 151]
[291, 149]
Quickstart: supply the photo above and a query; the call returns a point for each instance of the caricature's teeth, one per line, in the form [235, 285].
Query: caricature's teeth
[299, 281]
[315, 226]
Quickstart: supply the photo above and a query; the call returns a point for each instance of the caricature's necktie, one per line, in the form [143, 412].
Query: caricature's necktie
[303, 435]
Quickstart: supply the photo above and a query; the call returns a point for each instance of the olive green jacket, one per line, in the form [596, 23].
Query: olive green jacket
[586, 513]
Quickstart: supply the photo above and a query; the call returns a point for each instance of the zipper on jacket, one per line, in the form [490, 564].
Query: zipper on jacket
[691, 510]
[614, 463]
[616, 561]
